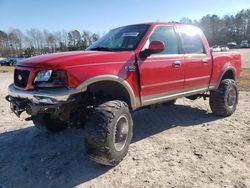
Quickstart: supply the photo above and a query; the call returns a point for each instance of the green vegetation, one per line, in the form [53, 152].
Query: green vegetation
[33, 42]
[6, 68]
[244, 81]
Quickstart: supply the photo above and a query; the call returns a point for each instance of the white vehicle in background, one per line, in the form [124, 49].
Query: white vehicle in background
[220, 48]
[244, 44]
[232, 44]
[216, 48]
[224, 48]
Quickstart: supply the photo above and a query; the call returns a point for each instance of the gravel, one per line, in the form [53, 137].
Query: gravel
[183, 145]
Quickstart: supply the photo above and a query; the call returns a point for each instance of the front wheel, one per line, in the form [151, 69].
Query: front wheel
[109, 132]
[224, 101]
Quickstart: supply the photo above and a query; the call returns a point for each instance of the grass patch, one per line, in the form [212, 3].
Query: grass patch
[244, 81]
[6, 68]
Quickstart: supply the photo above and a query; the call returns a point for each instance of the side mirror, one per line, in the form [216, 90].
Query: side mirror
[154, 48]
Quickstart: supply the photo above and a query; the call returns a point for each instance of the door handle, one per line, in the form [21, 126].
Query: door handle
[204, 61]
[177, 64]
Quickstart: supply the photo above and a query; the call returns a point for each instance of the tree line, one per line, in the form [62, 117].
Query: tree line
[221, 30]
[15, 43]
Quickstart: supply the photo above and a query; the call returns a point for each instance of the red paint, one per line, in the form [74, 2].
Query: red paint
[157, 74]
[156, 46]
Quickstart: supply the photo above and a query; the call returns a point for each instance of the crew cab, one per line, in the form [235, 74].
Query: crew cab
[129, 68]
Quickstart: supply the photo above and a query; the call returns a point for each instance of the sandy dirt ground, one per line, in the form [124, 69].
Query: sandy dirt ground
[183, 145]
[179, 146]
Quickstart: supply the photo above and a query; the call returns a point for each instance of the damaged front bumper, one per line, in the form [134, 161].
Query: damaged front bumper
[44, 95]
[38, 100]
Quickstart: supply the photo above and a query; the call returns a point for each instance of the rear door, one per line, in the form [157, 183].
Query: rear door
[197, 61]
[162, 74]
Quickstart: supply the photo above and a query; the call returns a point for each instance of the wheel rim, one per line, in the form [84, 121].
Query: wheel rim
[121, 133]
[232, 97]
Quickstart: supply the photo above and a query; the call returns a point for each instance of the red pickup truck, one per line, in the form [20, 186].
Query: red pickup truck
[129, 68]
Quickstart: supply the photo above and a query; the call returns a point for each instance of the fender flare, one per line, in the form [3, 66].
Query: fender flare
[135, 102]
[224, 72]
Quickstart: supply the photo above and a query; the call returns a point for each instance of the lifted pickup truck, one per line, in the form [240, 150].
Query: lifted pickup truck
[129, 68]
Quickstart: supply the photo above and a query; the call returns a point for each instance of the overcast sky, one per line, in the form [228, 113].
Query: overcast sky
[102, 15]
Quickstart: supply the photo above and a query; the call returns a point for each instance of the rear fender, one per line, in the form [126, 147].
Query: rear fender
[227, 68]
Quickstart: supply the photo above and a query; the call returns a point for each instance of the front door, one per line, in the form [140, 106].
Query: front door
[162, 74]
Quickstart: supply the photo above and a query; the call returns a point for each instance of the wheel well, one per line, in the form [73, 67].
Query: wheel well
[110, 89]
[229, 74]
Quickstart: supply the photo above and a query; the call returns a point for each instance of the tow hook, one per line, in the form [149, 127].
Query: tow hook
[8, 98]
[15, 106]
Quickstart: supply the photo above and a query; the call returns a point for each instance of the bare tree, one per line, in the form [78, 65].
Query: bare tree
[4, 44]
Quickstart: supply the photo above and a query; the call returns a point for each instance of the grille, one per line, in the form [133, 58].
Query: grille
[21, 78]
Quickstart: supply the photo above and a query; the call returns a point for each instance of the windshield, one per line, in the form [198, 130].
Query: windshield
[121, 39]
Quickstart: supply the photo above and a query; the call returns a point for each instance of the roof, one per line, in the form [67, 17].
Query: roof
[165, 23]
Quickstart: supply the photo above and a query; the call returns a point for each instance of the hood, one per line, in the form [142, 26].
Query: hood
[66, 59]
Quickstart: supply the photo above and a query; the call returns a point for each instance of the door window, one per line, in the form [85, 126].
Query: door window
[167, 35]
[192, 42]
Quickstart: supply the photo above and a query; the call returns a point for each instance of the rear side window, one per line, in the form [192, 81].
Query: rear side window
[167, 35]
[191, 41]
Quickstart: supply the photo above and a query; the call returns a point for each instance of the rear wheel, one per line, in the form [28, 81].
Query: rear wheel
[109, 132]
[46, 123]
[224, 101]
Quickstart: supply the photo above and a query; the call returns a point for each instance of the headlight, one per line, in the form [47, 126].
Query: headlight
[49, 78]
[43, 76]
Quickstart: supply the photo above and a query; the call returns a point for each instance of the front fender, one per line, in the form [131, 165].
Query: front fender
[135, 102]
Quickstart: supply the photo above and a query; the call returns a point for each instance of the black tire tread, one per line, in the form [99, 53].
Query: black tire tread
[217, 98]
[97, 130]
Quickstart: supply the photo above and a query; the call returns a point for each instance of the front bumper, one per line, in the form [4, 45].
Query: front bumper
[46, 100]
[42, 96]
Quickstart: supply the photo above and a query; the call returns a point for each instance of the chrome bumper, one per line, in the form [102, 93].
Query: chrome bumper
[45, 95]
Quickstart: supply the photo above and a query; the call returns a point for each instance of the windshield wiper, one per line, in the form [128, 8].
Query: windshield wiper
[100, 48]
